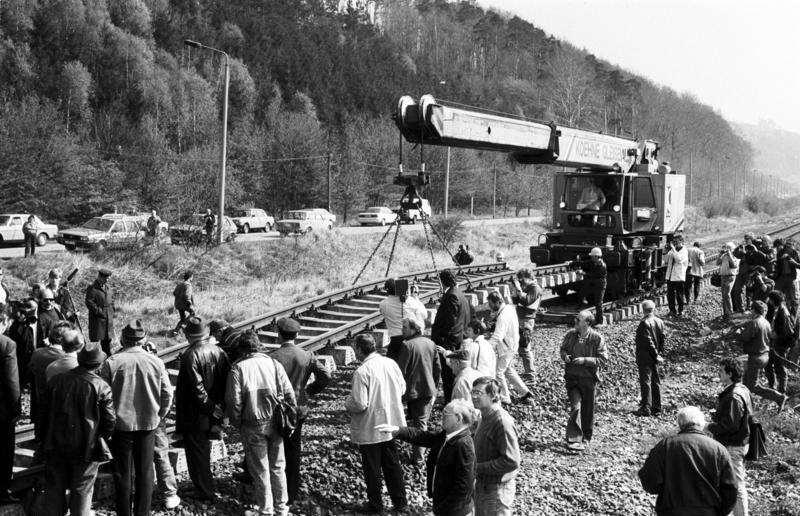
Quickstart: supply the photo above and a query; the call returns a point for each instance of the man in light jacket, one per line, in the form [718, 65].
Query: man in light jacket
[505, 341]
[677, 261]
[255, 384]
[697, 260]
[376, 398]
[728, 270]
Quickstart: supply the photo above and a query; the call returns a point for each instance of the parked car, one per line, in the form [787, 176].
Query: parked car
[11, 229]
[111, 231]
[325, 214]
[379, 215]
[304, 221]
[194, 232]
[163, 226]
[411, 211]
[251, 219]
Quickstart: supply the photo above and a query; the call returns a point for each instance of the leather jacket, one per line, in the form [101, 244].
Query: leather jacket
[10, 400]
[200, 386]
[80, 409]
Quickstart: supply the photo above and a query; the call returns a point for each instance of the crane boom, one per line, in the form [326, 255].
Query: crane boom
[432, 123]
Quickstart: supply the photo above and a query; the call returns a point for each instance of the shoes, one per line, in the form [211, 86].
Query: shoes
[172, 501]
[367, 508]
[782, 403]
[643, 412]
[576, 446]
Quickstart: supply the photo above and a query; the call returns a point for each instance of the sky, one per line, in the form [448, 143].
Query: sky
[741, 57]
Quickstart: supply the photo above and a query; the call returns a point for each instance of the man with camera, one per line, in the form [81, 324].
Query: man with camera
[677, 260]
[728, 270]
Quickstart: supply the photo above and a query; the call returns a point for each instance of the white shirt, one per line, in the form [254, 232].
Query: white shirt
[697, 258]
[677, 262]
[482, 356]
[505, 338]
[393, 312]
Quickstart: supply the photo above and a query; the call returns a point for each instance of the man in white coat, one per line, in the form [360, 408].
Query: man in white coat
[377, 399]
[677, 261]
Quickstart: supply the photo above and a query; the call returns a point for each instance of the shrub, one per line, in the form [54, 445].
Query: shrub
[722, 208]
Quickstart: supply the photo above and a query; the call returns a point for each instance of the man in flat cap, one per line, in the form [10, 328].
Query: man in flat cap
[100, 302]
[298, 364]
[81, 401]
[199, 399]
[142, 397]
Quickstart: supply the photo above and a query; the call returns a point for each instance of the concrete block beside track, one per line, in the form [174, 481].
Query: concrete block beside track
[472, 298]
[342, 355]
[481, 294]
[430, 317]
[328, 361]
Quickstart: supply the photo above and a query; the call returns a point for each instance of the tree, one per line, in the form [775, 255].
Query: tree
[75, 89]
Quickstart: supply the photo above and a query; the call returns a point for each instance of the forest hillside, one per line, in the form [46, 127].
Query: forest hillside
[103, 105]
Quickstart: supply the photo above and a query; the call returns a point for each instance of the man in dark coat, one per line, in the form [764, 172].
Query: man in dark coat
[10, 406]
[649, 347]
[81, 401]
[184, 300]
[421, 369]
[299, 365]
[447, 331]
[49, 313]
[40, 359]
[690, 472]
[100, 302]
[451, 460]
[199, 399]
[28, 335]
[594, 282]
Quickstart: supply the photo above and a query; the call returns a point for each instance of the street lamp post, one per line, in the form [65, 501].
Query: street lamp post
[224, 150]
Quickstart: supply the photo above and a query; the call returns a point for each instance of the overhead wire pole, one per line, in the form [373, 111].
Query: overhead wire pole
[224, 149]
[329, 182]
[494, 193]
[447, 184]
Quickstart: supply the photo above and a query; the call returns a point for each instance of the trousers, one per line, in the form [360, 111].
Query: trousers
[7, 445]
[726, 286]
[691, 285]
[293, 449]
[581, 391]
[596, 290]
[382, 458]
[650, 387]
[776, 369]
[263, 452]
[675, 294]
[198, 462]
[419, 411]
[495, 499]
[165, 475]
[739, 295]
[737, 454]
[507, 373]
[62, 473]
[526, 351]
[133, 455]
[756, 364]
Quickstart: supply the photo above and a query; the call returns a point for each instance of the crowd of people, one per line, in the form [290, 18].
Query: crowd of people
[115, 405]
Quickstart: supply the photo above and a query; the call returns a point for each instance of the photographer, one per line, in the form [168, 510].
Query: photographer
[677, 260]
[786, 265]
[728, 270]
[743, 253]
[760, 285]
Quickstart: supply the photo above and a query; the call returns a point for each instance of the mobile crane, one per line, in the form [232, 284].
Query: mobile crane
[616, 195]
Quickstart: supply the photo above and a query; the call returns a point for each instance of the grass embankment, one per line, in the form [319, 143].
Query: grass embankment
[240, 281]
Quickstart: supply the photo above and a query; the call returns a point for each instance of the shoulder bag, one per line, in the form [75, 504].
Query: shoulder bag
[284, 415]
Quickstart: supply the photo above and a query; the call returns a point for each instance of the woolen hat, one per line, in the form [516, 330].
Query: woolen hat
[134, 331]
[104, 272]
[288, 325]
[217, 324]
[195, 328]
[91, 357]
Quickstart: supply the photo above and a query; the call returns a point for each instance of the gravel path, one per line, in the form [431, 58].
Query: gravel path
[552, 481]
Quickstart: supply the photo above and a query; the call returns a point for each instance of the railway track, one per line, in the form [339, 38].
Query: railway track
[334, 317]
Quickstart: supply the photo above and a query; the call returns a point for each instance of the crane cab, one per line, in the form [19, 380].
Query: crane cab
[630, 216]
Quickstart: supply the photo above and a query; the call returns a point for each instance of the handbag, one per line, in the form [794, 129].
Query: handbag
[758, 441]
[284, 415]
[716, 280]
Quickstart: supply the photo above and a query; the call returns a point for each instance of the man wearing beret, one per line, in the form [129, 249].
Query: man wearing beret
[199, 397]
[299, 364]
[81, 401]
[142, 397]
[100, 302]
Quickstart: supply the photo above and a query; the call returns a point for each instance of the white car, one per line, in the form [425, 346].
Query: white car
[379, 215]
[304, 221]
[11, 229]
[251, 219]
